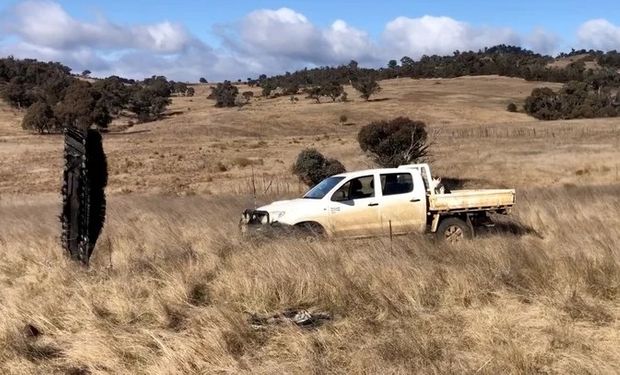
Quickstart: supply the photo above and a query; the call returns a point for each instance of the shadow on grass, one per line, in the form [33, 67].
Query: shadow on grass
[511, 227]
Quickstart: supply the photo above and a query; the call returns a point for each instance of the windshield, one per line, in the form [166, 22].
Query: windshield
[324, 187]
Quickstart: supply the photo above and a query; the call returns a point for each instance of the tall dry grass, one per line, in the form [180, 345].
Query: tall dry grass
[172, 287]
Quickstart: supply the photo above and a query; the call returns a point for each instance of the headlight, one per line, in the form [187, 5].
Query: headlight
[276, 215]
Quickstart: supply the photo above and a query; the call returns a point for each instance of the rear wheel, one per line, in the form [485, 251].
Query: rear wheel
[454, 230]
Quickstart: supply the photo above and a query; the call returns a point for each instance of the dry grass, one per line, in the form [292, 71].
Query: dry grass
[172, 285]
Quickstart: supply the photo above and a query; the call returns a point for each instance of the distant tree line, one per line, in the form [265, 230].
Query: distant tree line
[53, 98]
[502, 60]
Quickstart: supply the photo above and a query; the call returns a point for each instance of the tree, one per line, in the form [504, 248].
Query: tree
[40, 118]
[86, 73]
[393, 64]
[314, 92]
[113, 94]
[395, 142]
[268, 86]
[225, 94]
[311, 167]
[248, 95]
[80, 108]
[147, 103]
[332, 89]
[203, 80]
[367, 87]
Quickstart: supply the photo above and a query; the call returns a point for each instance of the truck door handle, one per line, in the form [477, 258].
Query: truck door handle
[415, 200]
[373, 204]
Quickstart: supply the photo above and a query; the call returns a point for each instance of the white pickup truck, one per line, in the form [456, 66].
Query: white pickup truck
[380, 202]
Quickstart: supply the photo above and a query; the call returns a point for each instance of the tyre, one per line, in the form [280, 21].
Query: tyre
[454, 230]
[310, 230]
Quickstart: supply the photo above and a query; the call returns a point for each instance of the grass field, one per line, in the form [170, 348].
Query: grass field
[172, 286]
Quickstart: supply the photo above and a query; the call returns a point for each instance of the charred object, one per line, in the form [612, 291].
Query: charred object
[85, 176]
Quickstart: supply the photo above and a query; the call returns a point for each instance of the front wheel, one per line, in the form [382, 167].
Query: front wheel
[454, 230]
[310, 230]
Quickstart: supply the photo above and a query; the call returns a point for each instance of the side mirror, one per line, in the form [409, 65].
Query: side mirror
[339, 196]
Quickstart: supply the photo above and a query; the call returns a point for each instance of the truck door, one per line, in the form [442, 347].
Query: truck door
[403, 202]
[354, 208]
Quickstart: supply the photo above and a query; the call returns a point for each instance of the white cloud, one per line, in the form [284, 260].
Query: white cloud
[46, 23]
[599, 34]
[542, 41]
[430, 35]
[264, 41]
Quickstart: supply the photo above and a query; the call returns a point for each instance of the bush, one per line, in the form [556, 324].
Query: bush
[147, 104]
[332, 89]
[574, 100]
[39, 118]
[267, 87]
[367, 87]
[312, 167]
[343, 119]
[314, 92]
[248, 95]
[512, 107]
[225, 94]
[396, 142]
[82, 107]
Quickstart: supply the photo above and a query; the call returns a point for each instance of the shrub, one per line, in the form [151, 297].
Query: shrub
[203, 80]
[343, 119]
[147, 103]
[314, 92]
[367, 87]
[225, 94]
[248, 95]
[267, 87]
[82, 107]
[396, 142]
[332, 89]
[512, 107]
[39, 118]
[312, 167]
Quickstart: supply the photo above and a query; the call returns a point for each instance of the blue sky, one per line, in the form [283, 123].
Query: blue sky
[226, 39]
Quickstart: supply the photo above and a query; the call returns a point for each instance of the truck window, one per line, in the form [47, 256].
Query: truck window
[321, 190]
[396, 183]
[357, 188]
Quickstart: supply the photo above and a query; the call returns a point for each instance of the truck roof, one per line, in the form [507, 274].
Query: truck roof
[366, 172]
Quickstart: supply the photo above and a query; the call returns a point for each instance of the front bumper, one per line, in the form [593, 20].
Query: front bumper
[257, 221]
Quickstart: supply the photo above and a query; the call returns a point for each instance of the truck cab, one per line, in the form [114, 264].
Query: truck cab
[379, 202]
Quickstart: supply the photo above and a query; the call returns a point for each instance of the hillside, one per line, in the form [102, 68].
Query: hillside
[173, 286]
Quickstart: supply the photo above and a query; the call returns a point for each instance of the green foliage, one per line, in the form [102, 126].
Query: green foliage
[396, 142]
[147, 103]
[367, 87]
[114, 94]
[81, 107]
[203, 80]
[248, 95]
[332, 89]
[314, 92]
[225, 94]
[40, 118]
[268, 86]
[311, 167]
[595, 98]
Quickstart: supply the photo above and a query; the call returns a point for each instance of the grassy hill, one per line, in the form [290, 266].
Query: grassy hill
[173, 287]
